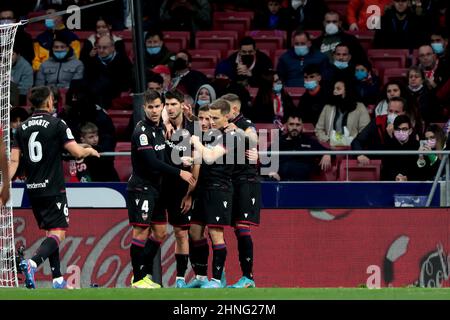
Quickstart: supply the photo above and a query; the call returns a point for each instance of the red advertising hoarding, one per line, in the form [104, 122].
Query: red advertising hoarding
[305, 248]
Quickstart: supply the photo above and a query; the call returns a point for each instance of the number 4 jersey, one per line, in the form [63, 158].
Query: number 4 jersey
[41, 140]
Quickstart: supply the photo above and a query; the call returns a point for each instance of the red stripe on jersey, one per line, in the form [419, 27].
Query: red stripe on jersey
[145, 148]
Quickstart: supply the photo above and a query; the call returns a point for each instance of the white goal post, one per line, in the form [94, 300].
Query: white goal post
[8, 271]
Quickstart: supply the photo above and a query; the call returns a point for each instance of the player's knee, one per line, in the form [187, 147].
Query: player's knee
[181, 235]
[140, 233]
[159, 234]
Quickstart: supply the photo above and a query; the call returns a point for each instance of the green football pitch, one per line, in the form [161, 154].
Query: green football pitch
[228, 294]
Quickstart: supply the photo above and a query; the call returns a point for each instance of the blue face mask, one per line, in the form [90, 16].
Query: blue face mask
[301, 50]
[50, 23]
[361, 74]
[60, 54]
[153, 50]
[310, 85]
[202, 102]
[341, 64]
[277, 87]
[108, 58]
[438, 47]
[13, 130]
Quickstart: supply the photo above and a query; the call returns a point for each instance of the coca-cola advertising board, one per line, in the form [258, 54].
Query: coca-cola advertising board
[299, 247]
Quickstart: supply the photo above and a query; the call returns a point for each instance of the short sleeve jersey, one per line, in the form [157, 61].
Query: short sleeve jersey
[41, 139]
[244, 170]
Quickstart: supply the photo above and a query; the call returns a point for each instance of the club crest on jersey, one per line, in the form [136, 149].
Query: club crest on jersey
[143, 140]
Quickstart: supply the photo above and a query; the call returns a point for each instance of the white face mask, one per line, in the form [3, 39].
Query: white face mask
[296, 3]
[391, 117]
[331, 28]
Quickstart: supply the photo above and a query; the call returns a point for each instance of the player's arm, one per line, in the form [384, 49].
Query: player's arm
[207, 154]
[80, 152]
[14, 162]
[4, 194]
[186, 202]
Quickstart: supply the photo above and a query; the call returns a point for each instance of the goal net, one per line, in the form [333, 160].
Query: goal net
[8, 271]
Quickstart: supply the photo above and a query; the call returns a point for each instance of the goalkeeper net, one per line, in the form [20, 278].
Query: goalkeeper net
[8, 271]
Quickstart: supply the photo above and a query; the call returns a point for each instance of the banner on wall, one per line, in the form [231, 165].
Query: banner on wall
[306, 248]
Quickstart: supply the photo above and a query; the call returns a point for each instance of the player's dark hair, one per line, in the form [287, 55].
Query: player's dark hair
[222, 105]
[88, 127]
[204, 108]
[18, 112]
[39, 95]
[232, 99]
[175, 94]
[151, 95]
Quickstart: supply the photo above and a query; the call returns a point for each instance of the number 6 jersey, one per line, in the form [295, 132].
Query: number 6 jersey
[41, 140]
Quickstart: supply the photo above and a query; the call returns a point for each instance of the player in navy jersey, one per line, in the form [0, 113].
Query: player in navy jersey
[213, 203]
[246, 193]
[177, 195]
[148, 158]
[39, 142]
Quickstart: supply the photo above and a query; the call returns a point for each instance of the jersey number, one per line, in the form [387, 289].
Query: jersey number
[145, 206]
[35, 148]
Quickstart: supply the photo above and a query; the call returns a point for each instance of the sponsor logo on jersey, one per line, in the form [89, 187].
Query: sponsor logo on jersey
[159, 147]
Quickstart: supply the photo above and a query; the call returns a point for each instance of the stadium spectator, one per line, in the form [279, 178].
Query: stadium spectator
[367, 83]
[272, 101]
[393, 88]
[435, 139]
[439, 43]
[400, 28]
[95, 169]
[314, 99]
[342, 64]
[205, 95]
[22, 40]
[164, 72]
[156, 51]
[305, 14]
[292, 63]
[61, 67]
[108, 73]
[436, 70]
[186, 80]
[400, 167]
[44, 41]
[343, 118]
[294, 168]
[222, 84]
[102, 28]
[155, 82]
[358, 14]
[272, 17]
[334, 34]
[113, 10]
[187, 15]
[422, 97]
[21, 74]
[249, 63]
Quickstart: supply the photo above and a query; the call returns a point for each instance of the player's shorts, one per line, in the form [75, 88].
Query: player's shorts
[142, 206]
[212, 207]
[51, 212]
[246, 203]
[172, 193]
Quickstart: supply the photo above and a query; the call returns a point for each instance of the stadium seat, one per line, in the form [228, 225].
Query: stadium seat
[121, 118]
[365, 38]
[394, 74]
[177, 40]
[204, 58]
[123, 167]
[295, 93]
[265, 134]
[123, 146]
[277, 56]
[351, 170]
[212, 40]
[208, 72]
[267, 52]
[35, 26]
[83, 35]
[236, 21]
[340, 6]
[308, 128]
[124, 34]
[387, 58]
[314, 34]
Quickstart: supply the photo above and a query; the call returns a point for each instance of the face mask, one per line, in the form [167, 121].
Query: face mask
[431, 143]
[391, 117]
[277, 87]
[153, 50]
[60, 55]
[401, 136]
[331, 28]
[180, 64]
[361, 74]
[438, 47]
[6, 21]
[415, 89]
[50, 23]
[310, 85]
[202, 102]
[247, 59]
[341, 64]
[108, 58]
[13, 130]
[301, 50]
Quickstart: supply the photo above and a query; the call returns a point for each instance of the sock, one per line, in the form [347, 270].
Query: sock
[47, 247]
[182, 263]
[137, 259]
[151, 249]
[245, 248]
[198, 254]
[219, 256]
[55, 264]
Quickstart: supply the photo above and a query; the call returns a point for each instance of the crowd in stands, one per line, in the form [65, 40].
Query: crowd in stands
[328, 74]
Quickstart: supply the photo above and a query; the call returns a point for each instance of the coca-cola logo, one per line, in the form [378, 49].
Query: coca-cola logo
[434, 268]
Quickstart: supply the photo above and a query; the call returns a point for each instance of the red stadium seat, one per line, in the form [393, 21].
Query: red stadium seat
[314, 34]
[340, 6]
[124, 34]
[295, 93]
[351, 170]
[123, 167]
[395, 74]
[277, 56]
[121, 118]
[387, 58]
[176, 40]
[204, 58]
[35, 26]
[265, 134]
[308, 128]
[123, 146]
[208, 72]
[236, 21]
[365, 38]
[269, 43]
[222, 43]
